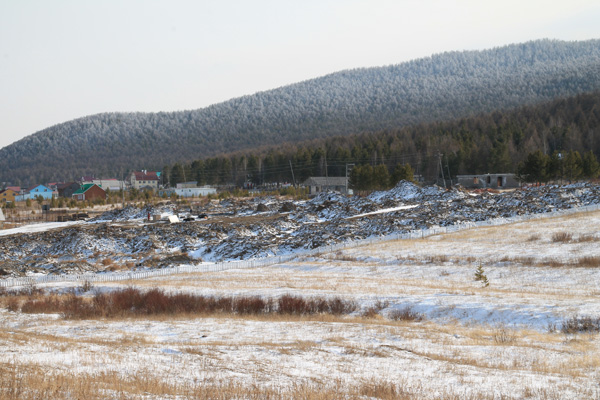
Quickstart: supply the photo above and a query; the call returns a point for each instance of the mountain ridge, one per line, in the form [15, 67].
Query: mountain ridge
[442, 86]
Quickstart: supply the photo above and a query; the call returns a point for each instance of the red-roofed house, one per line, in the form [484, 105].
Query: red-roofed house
[144, 179]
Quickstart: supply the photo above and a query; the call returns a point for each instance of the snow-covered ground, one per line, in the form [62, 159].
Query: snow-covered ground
[499, 341]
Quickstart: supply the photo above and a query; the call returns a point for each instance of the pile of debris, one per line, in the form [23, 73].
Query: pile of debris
[259, 227]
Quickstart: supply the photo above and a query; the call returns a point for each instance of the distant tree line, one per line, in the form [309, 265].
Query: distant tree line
[498, 142]
[558, 167]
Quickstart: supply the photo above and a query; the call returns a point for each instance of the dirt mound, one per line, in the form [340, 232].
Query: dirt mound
[237, 231]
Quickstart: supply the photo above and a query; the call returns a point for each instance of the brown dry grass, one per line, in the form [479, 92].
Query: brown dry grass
[458, 352]
[33, 382]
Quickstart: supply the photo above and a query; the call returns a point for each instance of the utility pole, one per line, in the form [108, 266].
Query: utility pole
[123, 191]
[448, 169]
[441, 168]
[348, 165]
[293, 179]
[326, 174]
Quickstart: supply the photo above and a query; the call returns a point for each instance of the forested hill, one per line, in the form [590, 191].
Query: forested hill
[441, 87]
[495, 142]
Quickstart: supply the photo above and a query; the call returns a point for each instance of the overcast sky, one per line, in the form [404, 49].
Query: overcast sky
[65, 59]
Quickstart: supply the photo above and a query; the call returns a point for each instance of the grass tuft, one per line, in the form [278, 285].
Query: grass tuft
[405, 314]
[562, 237]
[578, 324]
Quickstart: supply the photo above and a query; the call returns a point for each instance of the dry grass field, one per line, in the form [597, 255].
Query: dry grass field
[425, 327]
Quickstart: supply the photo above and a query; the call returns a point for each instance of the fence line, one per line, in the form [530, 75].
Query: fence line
[255, 263]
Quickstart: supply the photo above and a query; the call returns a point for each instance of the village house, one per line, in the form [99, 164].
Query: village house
[16, 189]
[144, 180]
[8, 196]
[114, 185]
[188, 189]
[35, 192]
[89, 191]
[488, 181]
[67, 189]
[327, 184]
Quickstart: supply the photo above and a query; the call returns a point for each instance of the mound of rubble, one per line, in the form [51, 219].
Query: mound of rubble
[248, 228]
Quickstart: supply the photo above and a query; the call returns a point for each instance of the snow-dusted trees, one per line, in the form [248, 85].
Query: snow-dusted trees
[437, 88]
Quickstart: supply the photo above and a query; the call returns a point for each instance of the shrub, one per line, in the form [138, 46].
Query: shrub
[296, 305]
[132, 302]
[86, 286]
[562, 237]
[12, 304]
[338, 306]
[589, 262]
[405, 314]
[251, 305]
[375, 309]
[580, 325]
[288, 304]
[503, 335]
[481, 277]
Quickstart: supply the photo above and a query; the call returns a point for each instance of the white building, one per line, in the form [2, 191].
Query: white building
[189, 192]
[114, 185]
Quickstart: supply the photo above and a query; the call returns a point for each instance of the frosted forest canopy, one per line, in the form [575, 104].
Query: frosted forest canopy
[442, 87]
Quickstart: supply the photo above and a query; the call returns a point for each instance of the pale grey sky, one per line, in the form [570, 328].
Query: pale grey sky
[65, 59]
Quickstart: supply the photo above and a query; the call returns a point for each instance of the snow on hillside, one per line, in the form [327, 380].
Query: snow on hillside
[499, 341]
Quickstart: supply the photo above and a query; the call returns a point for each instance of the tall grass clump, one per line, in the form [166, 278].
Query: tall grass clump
[405, 314]
[578, 324]
[562, 237]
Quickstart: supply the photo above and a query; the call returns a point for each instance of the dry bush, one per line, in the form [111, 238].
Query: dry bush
[503, 335]
[13, 304]
[578, 324]
[253, 305]
[382, 390]
[86, 286]
[106, 262]
[588, 262]
[370, 312]
[296, 305]
[587, 238]
[533, 237]
[562, 237]
[552, 263]
[375, 309]
[405, 314]
[339, 255]
[439, 259]
[525, 261]
[134, 302]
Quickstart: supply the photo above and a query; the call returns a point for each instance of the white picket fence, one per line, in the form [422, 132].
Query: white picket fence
[223, 266]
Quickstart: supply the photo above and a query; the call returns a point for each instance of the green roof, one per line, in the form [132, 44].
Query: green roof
[84, 188]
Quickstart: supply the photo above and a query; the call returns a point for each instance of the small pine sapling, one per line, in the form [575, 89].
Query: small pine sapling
[480, 276]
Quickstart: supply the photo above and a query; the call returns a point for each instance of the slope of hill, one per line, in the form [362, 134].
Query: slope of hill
[496, 141]
[440, 87]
